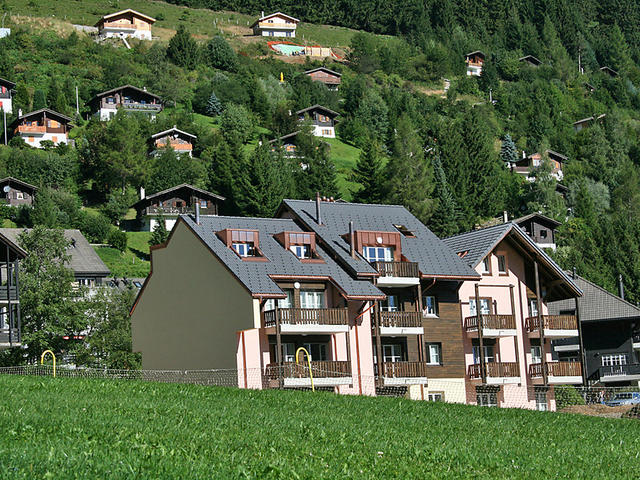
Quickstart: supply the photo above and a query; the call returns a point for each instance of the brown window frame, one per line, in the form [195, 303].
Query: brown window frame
[227, 236]
[506, 263]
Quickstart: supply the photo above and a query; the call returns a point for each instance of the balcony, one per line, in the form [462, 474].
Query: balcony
[555, 326]
[119, 26]
[397, 274]
[32, 129]
[142, 107]
[635, 339]
[153, 210]
[326, 373]
[404, 373]
[9, 337]
[620, 373]
[493, 326]
[558, 373]
[177, 146]
[401, 323]
[308, 320]
[498, 373]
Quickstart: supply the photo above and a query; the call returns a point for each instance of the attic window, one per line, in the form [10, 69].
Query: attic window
[404, 231]
[301, 244]
[463, 254]
[245, 243]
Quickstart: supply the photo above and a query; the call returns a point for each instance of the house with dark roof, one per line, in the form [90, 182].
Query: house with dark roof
[417, 327]
[587, 122]
[540, 228]
[127, 97]
[474, 61]
[88, 268]
[42, 125]
[328, 77]
[609, 71]
[14, 192]
[530, 60]
[6, 100]
[167, 205]
[610, 329]
[181, 142]
[527, 163]
[124, 24]
[275, 25]
[288, 144]
[10, 321]
[506, 322]
[323, 120]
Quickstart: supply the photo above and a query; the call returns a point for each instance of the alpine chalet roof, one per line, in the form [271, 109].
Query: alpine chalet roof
[277, 14]
[117, 89]
[11, 180]
[122, 12]
[597, 304]
[318, 107]
[538, 216]
[323, 69]
[10, 85]
[434, 258]
[256, 275]
[49, 112]
[203, 193]
[531, 59]
[171, 131]
[475, 245]
[83, 258]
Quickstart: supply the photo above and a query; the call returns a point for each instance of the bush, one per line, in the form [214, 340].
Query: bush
[117, 239]
[94, 227]
[567, 395]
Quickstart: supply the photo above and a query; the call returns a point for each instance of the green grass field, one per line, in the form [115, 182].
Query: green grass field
[345, 158]
[73, 428]
[133, 262]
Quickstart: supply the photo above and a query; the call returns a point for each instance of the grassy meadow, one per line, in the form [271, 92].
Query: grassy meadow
[133, 262]
[73, 428]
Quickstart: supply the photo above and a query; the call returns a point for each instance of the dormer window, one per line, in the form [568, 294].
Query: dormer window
[378, 254]
[301, 244]
[245, 249]
[404, 231]
[245, 243]
[301, 251]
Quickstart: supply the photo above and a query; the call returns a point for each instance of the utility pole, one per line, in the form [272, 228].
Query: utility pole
[77, 102]
[4, 124]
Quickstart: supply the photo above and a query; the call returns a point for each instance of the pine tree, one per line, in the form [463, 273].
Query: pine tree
[220, 55]
[214, 107]
[39, 100]
[160, 233]
[56, 99]
[508, 151]
[318, 172]
[542, 194]
[410, 175]
[183, 49]
[368, 173]
[444, 221]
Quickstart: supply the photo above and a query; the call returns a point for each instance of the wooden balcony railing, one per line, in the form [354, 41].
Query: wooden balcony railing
[397, 269]
[32, 128]
[123, 26]
[320, 369]
[168, 210]
[404, 369]
[495, 370]
[552, 322]
[498, 322]
[400, 319]
[307, 316]
[175, 145]
[557, 369]
[142, 106]
[619, 370]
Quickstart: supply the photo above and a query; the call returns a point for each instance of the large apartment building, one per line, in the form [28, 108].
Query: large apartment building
[506, 325]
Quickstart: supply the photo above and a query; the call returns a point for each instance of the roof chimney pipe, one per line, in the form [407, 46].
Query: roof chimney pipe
[574, 273]
[620, 286]
[505, 216]
[318, 215]
[197, 213]
[352, 241]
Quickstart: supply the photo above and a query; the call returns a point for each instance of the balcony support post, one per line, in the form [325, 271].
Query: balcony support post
[16, 270]
[483, 370]
[420, 337]
[9, 309]
[377, 317]
[513, 312]
[278, 346]
[583, 363]
[540, 324]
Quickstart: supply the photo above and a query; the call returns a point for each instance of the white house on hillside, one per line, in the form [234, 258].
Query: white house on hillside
[275, 25]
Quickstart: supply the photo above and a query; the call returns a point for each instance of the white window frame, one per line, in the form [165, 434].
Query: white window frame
[487, 399]
[485, 306]
[244, 249]
[288, 352]
[504, 257]
[435, 397]
[489, 354]
[486, 265]
[317, 348]
[19, 196]
[392, 352]
[536, 354]
[312, 299]
[614, 359]
[541, 401]
[378, 254]
[429, 306]
[533, 307]
[434, 354]
[301, 251]
[390, 304]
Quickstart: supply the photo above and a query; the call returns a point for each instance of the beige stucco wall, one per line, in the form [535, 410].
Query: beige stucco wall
[190, 310]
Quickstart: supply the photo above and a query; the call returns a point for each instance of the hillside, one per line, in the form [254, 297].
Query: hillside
[67, 428]
[419, 145]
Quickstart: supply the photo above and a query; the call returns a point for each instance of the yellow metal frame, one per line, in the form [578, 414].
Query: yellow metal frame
[54, 360]
[309, 362]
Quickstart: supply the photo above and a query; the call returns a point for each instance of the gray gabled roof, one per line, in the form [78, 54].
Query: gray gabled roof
[597, 304]
[83, 258]
[256, 276]
[475, 245]
[318, 107]
[434, 259]
[542, 218]
[323, 69]
[173, 130]
[146, 201]
[48, 111]
[10, 180]
[117, 89]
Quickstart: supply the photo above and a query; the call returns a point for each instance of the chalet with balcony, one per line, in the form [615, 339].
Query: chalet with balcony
[6, 100]
[181, 142]
[275, 25]
[129, 98]
[253, 292]
[322, 119]
[610, 328]
[287, 143]
[474, 61]
[506, 323]
[331, 79]
[10, 322]
[540, 228]
[587, 122]
[87, 267]
[530, 60]
[167, 205]
[42, 125]
[125, 24]
[527, 164]
[14, 192]
[415, 331]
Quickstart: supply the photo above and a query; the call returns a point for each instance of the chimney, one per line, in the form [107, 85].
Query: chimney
[19, 112]
[143, 195]
[352, 241]
[197, 213]
[574, 273]
[505, 216]
[318, 215]
[620, 287]
[262, 14]
[524, 154]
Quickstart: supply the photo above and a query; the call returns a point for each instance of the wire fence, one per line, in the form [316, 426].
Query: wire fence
[611, 402]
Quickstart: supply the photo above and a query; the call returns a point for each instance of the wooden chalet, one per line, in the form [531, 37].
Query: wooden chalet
[530, 60]
[42, 125]
[181, 142]
[609, 71]
[126, 23]
[275, 25]
[6, 87]
[474, 61]
[129, 98]
[323, 75]
[524, 166]
[322, 119]
[14, 192]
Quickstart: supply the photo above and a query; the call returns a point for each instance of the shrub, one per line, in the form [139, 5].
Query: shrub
[94, 227]
[117, 239]
[567, 395]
